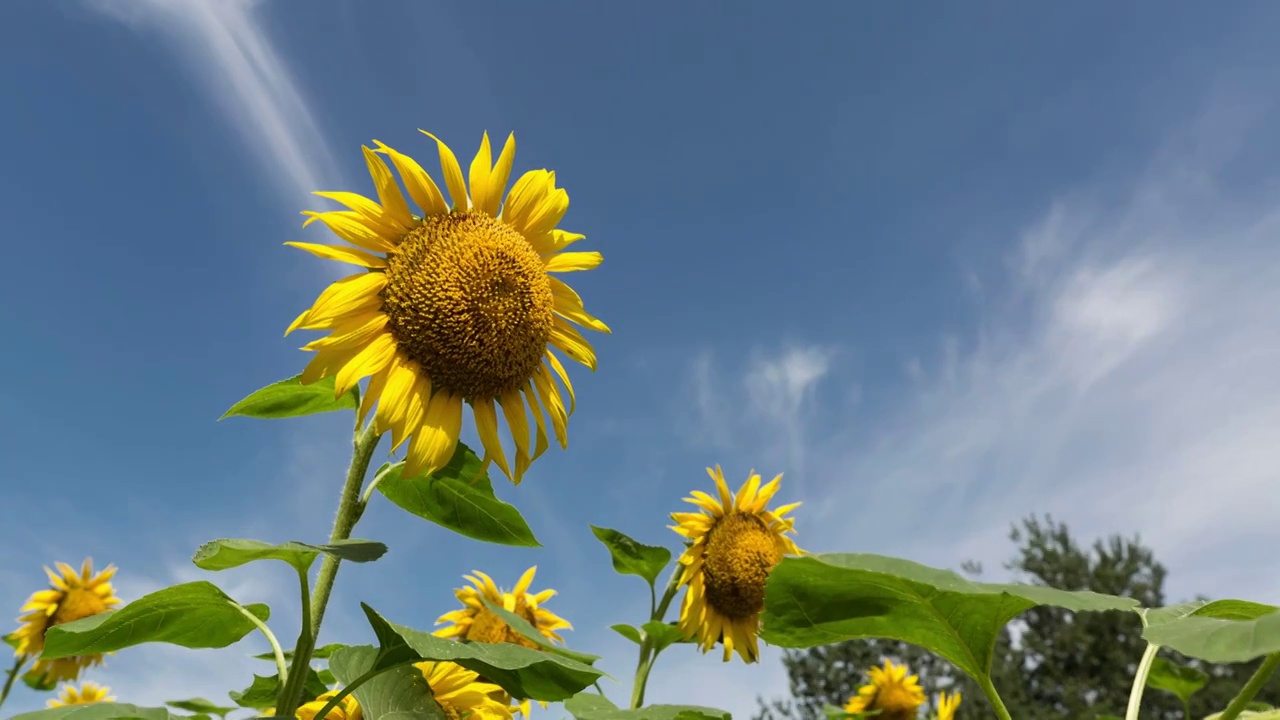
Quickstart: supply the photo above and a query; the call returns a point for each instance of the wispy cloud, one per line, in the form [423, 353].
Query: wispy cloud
[224, 47]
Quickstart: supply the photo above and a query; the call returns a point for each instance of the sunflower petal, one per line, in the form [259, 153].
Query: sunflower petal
[351, 331]
[568, 305]
[452, 174]
[554, 362]
[523, 198]
[355, 229]
[395, 210]
[326, 363]
[498, 178]
[522, 586]
[540, 442]
[573, 261]
[421, 187]
[341, 254]
[481, 167]
[437, 437]
[550, 396]
[370, 359]
[348, 296]
[487, 428]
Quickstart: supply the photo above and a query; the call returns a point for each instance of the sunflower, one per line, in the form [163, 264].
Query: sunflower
[477, 623]
[896, 695]
[736, 542]
[461, 692]
[88, 693]
[947, 706]
[71, 596]
[346, 709]
[458, 305]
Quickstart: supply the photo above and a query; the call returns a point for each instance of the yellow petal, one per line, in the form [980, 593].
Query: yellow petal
[540, 443]
[747, 493]
[437, 437]
[421, 187]
[487, 428]
[351, 295]
[373, 393]
[574, 261]
[498, 178]
[547, 214]
[569, 306]
[550, 396]
[522, 586]
[326, 363]
[355, 229]
[524, 197]
[395, 210]
[353, 330]
[554, 362]
[415, 406]
[372, 212]
[371, 358]
[567, 338]
[394, 402]
[481, 166]
[341, 254]
[452, 174]
[513, 409]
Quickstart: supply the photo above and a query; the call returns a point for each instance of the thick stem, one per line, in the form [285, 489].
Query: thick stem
[1251, 688]
[648, 654]
[993, 697]
[291, 695]
[1140, 682]
[18, 662]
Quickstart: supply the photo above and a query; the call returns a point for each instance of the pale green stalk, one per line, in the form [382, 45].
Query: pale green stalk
[1140, 680]
[281, 666]
[648, 654]
[291, 694]
[1251, 688]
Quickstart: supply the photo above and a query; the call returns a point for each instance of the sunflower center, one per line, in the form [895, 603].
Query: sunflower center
[450, 711]
[76, 604]
[489, 628]
[469, 299]
[740, 553]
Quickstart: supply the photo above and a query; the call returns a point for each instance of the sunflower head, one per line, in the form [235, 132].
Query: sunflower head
[477, 623]
[892, 693]
[947, 705]
[461, 693]
[86, 693]
[458, 305]
[736, 542]
[71, 596]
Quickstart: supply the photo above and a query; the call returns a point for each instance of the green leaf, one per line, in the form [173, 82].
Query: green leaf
[11, 640]
[458, 497]
[631, 557]
[262, 693]
[39, 681]
[327, 677]
[589, 706]
[200, 705]
[627, 632]
[822, 599]
[1250, 715]
[399, 692]
[290, 398]
[101, 711]
[1221, 631]
[1178, 679]
[521, 671]
[526, 630]
[192, 615]
[228, 553]
[322, 653]
[664, 634]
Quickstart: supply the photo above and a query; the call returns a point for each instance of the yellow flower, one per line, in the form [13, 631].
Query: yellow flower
[71, 596]
[947, 706]
[477, 623]
[88, 693]
[892, 692]
[346, 709]
[459, 305]
[461, 693]
[736, 543]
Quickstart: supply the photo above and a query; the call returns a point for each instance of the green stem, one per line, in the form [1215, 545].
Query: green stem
[18, 662]
[1186, 709]
[648, 654]
[291, 695]
[344, 692]
[1140, 681]
[993, 697]
[281, 666]
[1251, 688]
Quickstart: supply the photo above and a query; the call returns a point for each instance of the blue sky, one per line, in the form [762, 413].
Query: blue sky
[941, 267]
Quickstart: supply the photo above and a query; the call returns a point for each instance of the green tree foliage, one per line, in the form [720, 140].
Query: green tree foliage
[1050, 663]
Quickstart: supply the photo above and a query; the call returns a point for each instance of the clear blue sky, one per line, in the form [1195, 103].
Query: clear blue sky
[941, 266]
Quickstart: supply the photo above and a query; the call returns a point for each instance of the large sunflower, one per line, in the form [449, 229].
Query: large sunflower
[462, 694]
[458, 305]
[736, 542]
[477, 623]
[71, 596]
[891, 692]
[87, 693]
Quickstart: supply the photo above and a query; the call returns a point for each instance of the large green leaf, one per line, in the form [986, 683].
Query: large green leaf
[262, 693]
[631, 557]
[101, 711]
[589, 706]
[1178, 679]
[521, 671]
[526, 630]
[192, 615]
[399, 692]
[290, 398]
[822, 599]
[458, 497]
[228, 553]
[1221, 631]
[202, 706]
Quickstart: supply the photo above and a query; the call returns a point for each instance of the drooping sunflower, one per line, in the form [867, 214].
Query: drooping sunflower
[87, 693]
[462, 694]
[947, 706]
[71, 596]
[460, 304]
[896, 695]
[736, 542]
[477, 623]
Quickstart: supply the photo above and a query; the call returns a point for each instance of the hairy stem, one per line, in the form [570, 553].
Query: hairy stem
[648, 653]
[1251, 688]
[18, 662]
[993, 697]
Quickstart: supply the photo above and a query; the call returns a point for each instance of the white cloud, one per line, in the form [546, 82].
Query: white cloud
[225, 48]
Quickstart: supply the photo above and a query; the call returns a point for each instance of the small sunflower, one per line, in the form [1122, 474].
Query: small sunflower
[462, 694]
[947, 706]
[88, 693]
[736, 543]
[458, 305]
[475, 621]
[71, 596]
[896, 695]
